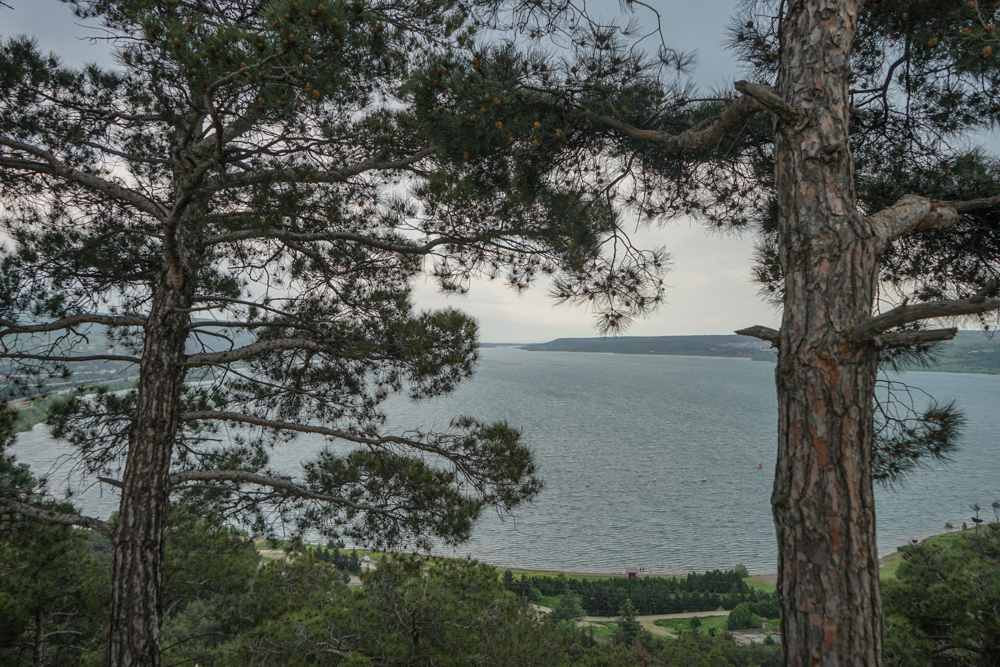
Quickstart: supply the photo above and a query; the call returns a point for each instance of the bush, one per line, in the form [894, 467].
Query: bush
[742, 618]
[567, 608]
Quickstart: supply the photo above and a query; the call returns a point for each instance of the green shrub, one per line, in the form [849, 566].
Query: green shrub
[742, 617]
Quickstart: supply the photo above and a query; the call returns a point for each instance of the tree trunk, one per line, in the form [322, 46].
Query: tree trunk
[137, 568]
[38, 652]
[824, 511]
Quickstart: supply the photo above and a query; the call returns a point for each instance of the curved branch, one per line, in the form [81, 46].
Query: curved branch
[972, 204]
[252, 350]
[912, 213]
[910, 338]
[294, 426]
[703, 136]
[921, 311]
[333, 176]
[92, 357]
[72, 320]
[766, 96]
[61, 518]
[54, 167]
[764, 333]
[292, 237]
[283, 484]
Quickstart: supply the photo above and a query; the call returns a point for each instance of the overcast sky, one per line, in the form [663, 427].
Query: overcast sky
[709, 287]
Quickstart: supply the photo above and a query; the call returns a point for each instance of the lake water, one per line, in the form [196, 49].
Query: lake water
[623, 442]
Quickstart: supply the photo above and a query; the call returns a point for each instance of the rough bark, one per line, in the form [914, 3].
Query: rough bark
[823, 503]
[137, 567]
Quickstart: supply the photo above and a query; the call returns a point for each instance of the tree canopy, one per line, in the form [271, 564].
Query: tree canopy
[235, 212]
[242, 203]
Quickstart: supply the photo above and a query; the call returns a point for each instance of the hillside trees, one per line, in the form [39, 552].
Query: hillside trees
[240, 206]
[53, 583]
[850, 153]
[943, 608]
[409, 611]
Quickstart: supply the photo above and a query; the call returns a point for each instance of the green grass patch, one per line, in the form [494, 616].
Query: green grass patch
[546, 600]
[756, 583]
[604, 630]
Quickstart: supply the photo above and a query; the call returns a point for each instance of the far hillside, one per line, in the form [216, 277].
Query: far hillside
[969, 352]
[697, 346]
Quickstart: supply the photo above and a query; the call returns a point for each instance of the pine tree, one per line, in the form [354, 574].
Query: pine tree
[508, 580]
[237, 212]
[627, 628]
[845, 154]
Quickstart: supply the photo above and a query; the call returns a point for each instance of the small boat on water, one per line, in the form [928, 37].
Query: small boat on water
[996, 504]
[760, 465]
[704, 479]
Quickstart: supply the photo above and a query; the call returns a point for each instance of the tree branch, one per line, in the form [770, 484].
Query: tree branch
[912, 213]
[772, 101]
[252, 350]
[292, 237]
[921, 311]
[702, 137]
[61, 518]
[92, 357]
[72, 320]
[293, 426]
[57, 168]
[910, 338]
[764, 333]
[319, 430]
[332, 176]
[283, 484]
[972, 204]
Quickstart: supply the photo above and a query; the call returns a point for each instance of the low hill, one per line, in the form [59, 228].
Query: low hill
[696, 346]
[969, 352]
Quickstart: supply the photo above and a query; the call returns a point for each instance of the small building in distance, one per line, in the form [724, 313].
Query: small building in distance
[631, 573]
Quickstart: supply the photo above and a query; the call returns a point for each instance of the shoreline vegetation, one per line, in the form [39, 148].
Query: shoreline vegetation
[968, 352]
[765, 582]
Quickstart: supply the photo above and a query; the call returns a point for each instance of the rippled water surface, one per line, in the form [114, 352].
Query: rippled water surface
[624, 442]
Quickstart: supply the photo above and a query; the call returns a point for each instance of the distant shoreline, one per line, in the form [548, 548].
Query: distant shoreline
[970, 352]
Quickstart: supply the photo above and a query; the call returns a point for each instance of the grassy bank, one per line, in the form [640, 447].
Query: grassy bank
[890, 562]
[762, 582]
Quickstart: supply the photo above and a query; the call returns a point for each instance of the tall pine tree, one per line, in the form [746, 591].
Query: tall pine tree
[238, 209]
[850, 153]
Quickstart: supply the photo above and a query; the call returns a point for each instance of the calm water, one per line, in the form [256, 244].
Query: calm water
[623, 443]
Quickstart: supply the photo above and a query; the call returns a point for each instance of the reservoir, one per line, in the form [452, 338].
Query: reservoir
[624, 442]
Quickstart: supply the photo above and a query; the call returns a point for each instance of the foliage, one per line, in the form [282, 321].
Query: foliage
[333, 554]
[627, 628]
[53, 579]
[567, 607]
[943, 608]
[53, 595]
[742, 618]
[653, 595]
[239, 208]
[694, 650]
[409, 611]
[209, 567]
